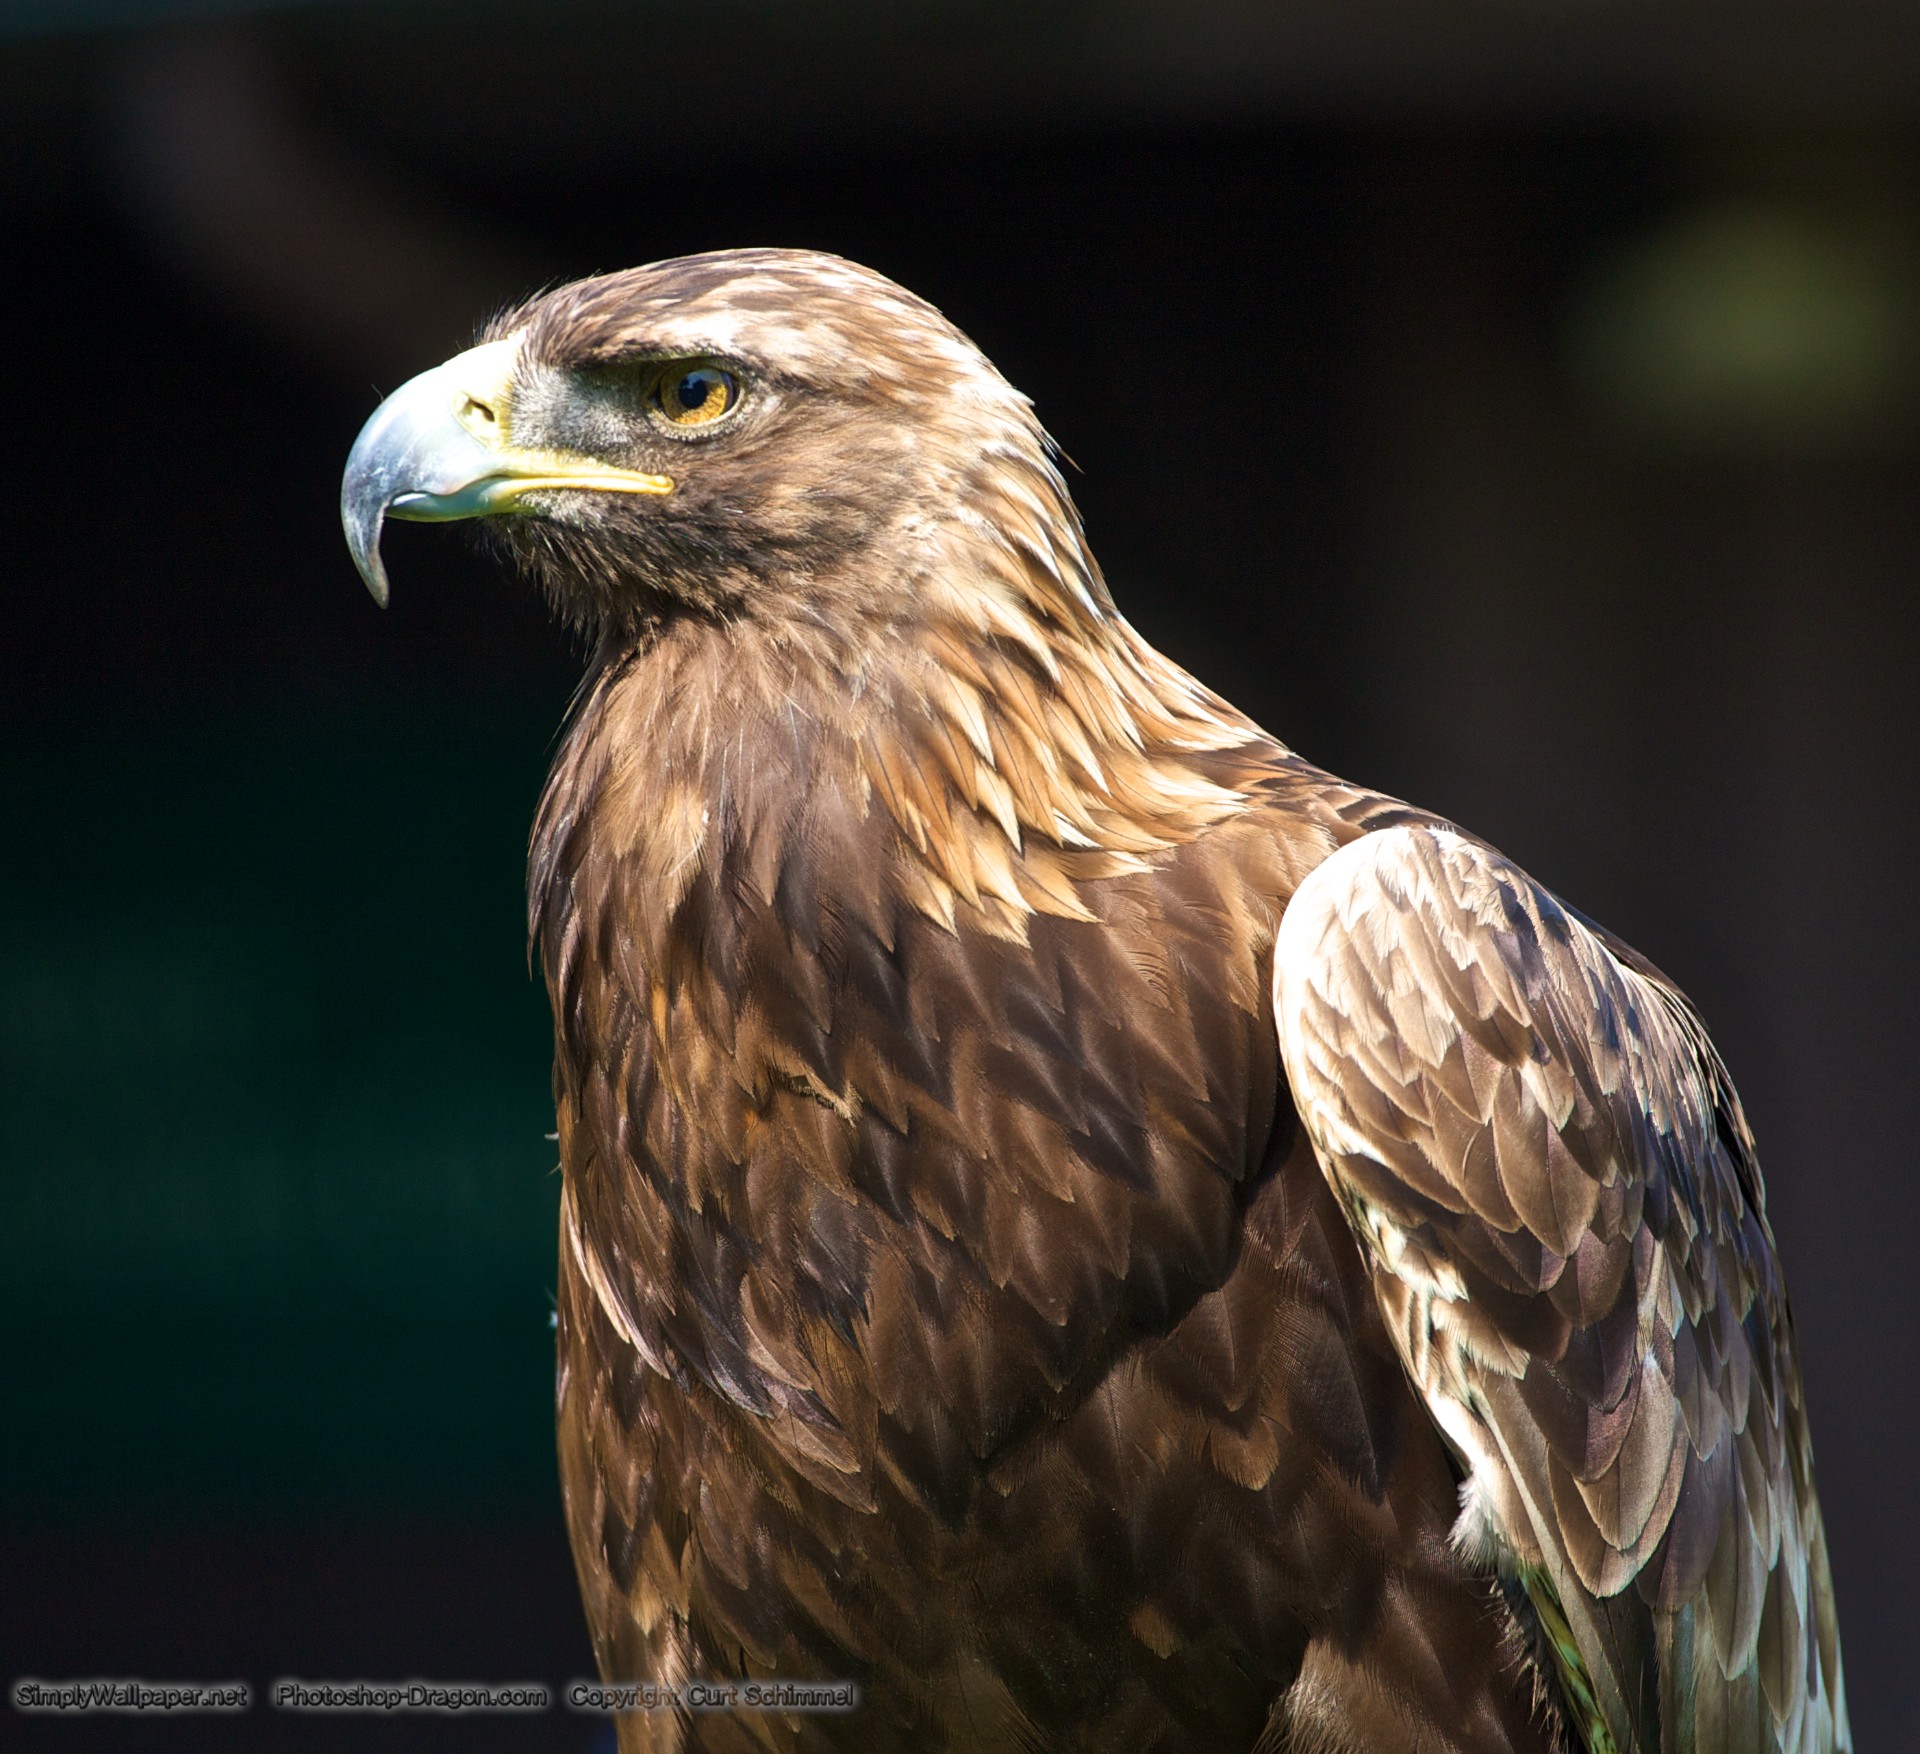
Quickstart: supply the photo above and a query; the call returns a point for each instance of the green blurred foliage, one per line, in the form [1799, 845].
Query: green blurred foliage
[1754, 328]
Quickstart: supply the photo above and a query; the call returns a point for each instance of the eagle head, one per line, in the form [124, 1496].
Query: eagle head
[748, 433]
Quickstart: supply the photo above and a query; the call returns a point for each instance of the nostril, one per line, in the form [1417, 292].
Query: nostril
[478, 410]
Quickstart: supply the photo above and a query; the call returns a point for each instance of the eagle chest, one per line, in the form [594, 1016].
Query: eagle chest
[962, 1292]
[901, 1191]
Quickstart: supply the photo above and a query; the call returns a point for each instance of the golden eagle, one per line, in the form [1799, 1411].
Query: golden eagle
[1075, 1220]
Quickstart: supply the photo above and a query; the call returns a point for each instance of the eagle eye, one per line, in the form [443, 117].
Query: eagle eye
[695, 396]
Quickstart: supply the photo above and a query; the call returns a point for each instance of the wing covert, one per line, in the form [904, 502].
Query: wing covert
[1549, 1171]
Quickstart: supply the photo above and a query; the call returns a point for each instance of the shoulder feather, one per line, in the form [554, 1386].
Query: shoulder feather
[1548, 1169]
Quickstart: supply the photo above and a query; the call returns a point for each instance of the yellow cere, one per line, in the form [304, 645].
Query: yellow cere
[482, 381]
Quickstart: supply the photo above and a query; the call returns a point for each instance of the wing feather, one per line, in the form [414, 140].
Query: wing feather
[1549, 1171]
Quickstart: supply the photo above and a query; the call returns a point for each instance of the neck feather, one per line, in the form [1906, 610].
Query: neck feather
[992, 731]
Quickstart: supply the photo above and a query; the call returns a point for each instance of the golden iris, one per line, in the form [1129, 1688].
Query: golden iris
[695, 395]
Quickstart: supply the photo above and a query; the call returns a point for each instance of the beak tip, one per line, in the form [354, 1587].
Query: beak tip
[362, 522]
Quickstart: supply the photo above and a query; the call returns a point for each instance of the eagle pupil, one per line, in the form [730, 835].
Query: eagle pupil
[694, 390]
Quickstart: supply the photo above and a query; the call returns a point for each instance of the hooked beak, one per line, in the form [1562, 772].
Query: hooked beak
[440, 449]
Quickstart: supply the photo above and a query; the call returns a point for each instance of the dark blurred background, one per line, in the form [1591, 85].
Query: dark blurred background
[1516, 404]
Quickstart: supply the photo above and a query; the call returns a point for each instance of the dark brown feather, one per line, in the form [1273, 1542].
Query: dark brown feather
[994, 1311]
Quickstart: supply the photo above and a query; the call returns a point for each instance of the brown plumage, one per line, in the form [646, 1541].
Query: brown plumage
[971, 1284]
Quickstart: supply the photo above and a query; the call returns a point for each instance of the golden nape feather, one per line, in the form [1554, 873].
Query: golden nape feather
[1076, 1222]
